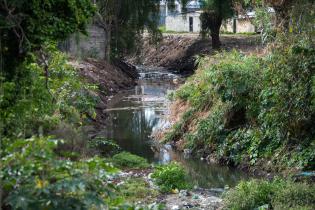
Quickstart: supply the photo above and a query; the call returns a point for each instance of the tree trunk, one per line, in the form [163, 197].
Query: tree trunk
[215, 32]
[215, 36]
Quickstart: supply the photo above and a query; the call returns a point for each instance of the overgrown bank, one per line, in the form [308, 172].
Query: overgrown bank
[251, 111]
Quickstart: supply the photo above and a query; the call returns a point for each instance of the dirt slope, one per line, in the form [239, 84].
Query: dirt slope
[178, 51]
[109, 78]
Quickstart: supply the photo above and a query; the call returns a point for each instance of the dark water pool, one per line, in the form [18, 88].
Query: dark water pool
[135, 114]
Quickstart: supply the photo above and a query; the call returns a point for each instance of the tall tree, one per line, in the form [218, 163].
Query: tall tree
[214, 12]
[124, 21]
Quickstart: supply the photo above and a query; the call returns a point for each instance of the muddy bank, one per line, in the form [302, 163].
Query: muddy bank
[178, 52]
[109, 78]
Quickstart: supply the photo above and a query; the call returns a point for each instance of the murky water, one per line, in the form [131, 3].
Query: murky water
[135, 114]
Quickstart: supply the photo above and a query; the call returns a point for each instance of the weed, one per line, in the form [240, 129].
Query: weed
[128, 160]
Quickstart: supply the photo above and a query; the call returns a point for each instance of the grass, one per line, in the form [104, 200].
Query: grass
[277, 194]
[137, 189]
[130, 161]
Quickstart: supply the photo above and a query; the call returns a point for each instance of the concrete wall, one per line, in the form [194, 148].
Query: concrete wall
[83, 46]
[180, 23]
[245, 26]
[242, 26]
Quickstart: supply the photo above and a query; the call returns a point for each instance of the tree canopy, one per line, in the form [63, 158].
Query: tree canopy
[27, 24]
[214, 12]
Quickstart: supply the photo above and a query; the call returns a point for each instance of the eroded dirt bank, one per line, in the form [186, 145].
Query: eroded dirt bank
[178, 51]
[109, 78]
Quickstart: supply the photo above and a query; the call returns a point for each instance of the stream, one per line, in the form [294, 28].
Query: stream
[135, 114]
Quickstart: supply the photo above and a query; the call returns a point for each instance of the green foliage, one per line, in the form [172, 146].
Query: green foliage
[128, 160]
[33, 177]
[294, 196]
[253, 108]
[104, 146]
[124, 22]
[277, 194]
[137, 189]
[264, 23]
[250, 195]
[170, 177]
[27, 25]
[44, 101]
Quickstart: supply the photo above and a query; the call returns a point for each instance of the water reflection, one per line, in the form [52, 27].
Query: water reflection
[135, 114]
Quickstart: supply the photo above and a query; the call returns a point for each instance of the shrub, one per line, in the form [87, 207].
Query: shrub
[34, 177]
[249, 195]
[246, 108]
[104, 146]
[128, 160]
[277, 194]
[169, 177]
[294, 196]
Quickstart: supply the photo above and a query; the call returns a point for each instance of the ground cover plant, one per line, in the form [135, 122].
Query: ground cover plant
[170, 177]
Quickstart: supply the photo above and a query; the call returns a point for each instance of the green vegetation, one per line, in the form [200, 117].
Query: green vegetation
[214, 12]
[104, 146]
[278, 195]
[248, 119]
[128, 160]
[137, 189]
[170, 177]
[255, 110]
[34, 177]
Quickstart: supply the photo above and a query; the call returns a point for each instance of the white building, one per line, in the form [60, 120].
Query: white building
[189, 20]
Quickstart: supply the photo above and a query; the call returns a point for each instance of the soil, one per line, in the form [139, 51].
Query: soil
[179, 52]
[109, 78]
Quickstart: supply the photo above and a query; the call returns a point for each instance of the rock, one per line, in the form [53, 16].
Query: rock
[175, 191]
[184, 193]
[195, 197]
[211, 159]
[175, 207]
[187, 153]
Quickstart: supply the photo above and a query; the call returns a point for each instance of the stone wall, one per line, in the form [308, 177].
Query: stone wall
[83, 46]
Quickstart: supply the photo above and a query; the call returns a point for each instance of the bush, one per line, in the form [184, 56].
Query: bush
[170, 177]
[104, 146]
[294, 196]
[128, 160]
[247, 108]
[277, 194]
[249, 195]
[34, 177]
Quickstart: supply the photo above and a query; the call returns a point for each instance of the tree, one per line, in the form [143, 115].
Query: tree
[124, 21]
[214, 12]
[27, 24]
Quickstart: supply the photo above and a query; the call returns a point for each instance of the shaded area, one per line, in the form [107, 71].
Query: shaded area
[178, 51]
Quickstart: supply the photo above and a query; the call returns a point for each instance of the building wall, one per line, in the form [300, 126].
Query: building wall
[245, 26]
[83, 46]
[180, 23]
[242, 26]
